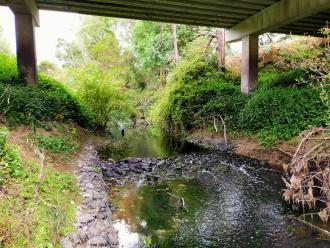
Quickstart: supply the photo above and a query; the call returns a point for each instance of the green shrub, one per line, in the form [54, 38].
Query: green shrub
[194, 70]
[3, 140]
[48, 101]
[191, 103]
[282, 113]
[10, 163]
[292, 78]
[197, 93]
[56, 144]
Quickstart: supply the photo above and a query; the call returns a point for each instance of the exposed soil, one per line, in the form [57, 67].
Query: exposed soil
[62, 162]
[276, 156]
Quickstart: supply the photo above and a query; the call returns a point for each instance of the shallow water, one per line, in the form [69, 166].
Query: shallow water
[237, 207]
[245, 210]
[143, 144]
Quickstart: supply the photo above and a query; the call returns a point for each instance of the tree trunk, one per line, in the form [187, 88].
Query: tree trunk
[220, 35]
[206, 49]
[176, 56]
[162, 76]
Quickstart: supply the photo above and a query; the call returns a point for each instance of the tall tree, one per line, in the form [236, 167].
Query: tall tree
[176, 55]
[153, 43]
[97, 69]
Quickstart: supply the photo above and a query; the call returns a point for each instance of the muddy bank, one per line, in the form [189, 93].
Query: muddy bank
[275, 157]
[93, 217]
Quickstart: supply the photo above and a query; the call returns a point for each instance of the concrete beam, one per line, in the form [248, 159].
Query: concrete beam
[25, 48]
[249, 63]
[25, 7]
[275, 16]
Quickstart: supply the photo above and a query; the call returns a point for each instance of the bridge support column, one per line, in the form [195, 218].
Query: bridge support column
[249, 63]
[25, 48]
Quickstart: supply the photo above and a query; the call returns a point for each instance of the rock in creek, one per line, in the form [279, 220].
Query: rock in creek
[153, 170]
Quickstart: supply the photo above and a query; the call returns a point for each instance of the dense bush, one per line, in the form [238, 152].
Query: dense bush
[273, 78]
[281, 113]
[191, 103]
[48, 101]
[282, 107]
[197, 93]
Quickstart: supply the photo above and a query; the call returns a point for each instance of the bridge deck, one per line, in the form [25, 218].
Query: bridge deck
[243, 20]
[215, 13]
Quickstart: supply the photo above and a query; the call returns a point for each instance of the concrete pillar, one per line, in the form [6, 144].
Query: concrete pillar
[221, 47]
[25, 48]
[249, 63]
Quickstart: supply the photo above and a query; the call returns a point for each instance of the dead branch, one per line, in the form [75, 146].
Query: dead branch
[308, 178]
[284, 152]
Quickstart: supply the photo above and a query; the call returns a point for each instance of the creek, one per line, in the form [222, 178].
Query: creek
[197, 198]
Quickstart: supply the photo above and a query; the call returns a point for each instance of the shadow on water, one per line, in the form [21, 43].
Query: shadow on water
[143, 144]
[242, 208]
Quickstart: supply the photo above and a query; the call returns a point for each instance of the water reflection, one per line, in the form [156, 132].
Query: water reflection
[143, 144]
[127, 238]
[156, 212]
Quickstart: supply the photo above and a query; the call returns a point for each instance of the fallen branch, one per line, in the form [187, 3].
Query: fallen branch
[286, 153]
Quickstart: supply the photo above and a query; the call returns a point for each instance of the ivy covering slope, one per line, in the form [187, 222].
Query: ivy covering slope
[48, 101]
[286, 102]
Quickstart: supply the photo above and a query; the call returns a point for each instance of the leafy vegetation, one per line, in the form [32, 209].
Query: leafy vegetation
[101, 76]
[56, 144]
[281, 113]
[198, 93]
[49, 100]
[36, 204]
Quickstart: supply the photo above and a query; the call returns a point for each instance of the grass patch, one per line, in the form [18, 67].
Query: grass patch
[58, 144]
[37, 206]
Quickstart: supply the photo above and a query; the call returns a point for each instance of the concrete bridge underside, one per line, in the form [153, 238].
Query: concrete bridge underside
[243, 20]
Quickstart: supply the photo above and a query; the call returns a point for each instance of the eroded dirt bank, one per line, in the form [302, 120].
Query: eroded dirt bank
[275, 157]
